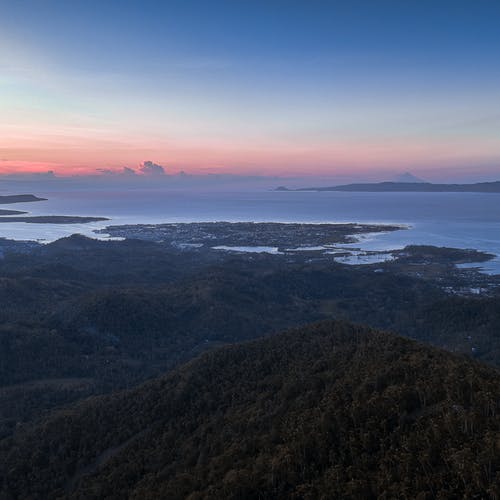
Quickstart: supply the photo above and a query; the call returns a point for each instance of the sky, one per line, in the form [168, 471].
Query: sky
[257, 88]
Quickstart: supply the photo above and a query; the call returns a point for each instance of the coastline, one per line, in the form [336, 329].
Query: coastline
[460, 221]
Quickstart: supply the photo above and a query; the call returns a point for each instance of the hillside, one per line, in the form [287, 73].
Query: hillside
[82, 317]
[327, 411]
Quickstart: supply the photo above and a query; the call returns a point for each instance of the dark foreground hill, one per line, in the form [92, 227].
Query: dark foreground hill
[327, 411]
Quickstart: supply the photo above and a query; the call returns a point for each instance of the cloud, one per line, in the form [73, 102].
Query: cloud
[150, 168]
[125, 172]
[128, 171]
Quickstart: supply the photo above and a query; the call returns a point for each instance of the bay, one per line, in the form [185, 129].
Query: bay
[460, 220]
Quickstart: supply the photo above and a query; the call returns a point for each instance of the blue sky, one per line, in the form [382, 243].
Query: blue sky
[273, 87]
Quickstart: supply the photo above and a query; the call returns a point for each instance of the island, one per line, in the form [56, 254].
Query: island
[11, 212]
[15, 215]
[19, 198]
[407, 187]
[54, 219]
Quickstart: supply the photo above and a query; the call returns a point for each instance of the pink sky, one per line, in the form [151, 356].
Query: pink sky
[261, 90]
[362, 159]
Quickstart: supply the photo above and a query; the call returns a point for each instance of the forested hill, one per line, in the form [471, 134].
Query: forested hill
[327, 411]
[418, 187]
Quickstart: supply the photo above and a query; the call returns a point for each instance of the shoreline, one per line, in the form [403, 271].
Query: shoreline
[354, 244]
[387, 236]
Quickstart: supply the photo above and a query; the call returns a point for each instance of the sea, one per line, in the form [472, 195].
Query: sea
[458, 220]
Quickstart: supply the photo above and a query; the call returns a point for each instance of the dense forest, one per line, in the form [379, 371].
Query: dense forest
[82, 317]
[326, 411]
[211, 334]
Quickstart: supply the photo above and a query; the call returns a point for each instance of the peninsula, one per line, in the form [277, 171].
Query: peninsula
[283, 236]
[414, 187]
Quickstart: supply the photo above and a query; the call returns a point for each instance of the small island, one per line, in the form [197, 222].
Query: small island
[54, 219]
[19, 216]
[19, 198]
[11, 212]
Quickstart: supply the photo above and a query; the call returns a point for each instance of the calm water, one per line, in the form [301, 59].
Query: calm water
[461, 220]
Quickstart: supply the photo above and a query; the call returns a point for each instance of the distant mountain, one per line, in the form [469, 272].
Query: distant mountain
[330, 410]
[408, 177]
[422, 187]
